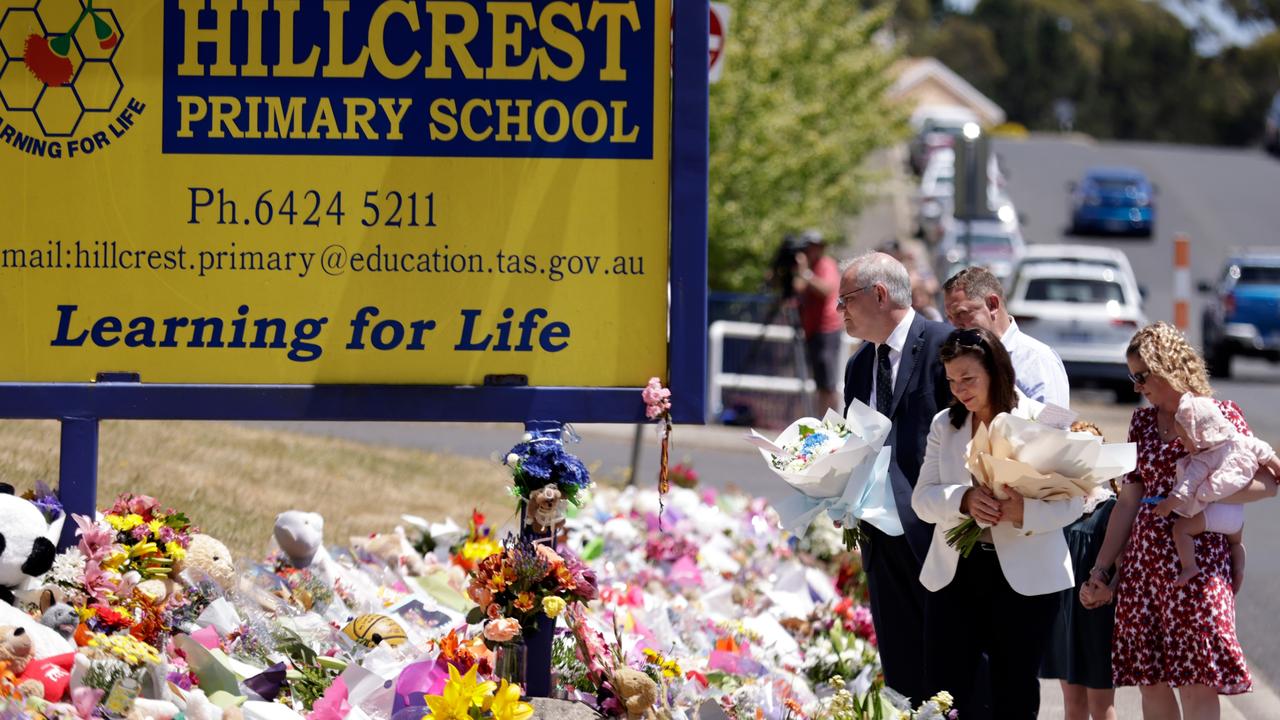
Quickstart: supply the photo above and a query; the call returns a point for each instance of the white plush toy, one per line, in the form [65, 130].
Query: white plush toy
[27, 543]
[300, 536]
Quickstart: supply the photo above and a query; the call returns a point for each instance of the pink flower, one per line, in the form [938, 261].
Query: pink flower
[493, 611]
[502, 630]
[334, 705]
[657, 399]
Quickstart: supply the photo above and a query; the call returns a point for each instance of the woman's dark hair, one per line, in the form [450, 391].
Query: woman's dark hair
[983, 345]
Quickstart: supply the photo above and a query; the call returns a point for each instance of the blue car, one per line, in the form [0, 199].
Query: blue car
[1113, 201]
[1243, 318]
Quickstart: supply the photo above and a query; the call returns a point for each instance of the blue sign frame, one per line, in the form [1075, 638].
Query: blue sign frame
[79, 406]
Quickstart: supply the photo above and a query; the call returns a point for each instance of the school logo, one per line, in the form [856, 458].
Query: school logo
[59, 67]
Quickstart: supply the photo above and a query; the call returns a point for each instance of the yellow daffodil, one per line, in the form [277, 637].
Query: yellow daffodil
[460, 694]
[553, 605]
[506, 704]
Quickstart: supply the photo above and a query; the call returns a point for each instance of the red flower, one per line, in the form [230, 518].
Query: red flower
[45, 62]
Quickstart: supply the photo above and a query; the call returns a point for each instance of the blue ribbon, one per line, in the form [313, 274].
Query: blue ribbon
[1153, 500]
[867, 496]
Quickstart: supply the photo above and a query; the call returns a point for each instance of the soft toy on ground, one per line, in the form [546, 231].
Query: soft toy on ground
[15, 652]
[637, 692]
[57, 615]
[26, 543]
[206, 556]
[394, 549]
[300, 536]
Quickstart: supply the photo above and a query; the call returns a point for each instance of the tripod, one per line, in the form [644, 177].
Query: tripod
[785, 309]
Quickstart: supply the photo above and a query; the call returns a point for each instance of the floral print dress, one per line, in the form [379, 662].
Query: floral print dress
[1165, 634]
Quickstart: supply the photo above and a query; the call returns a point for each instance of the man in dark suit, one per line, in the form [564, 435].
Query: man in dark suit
[897, 372]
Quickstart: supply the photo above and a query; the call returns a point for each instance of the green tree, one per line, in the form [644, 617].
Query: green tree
[801, 105]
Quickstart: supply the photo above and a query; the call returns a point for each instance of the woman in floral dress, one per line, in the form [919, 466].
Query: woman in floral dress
[1169, 637]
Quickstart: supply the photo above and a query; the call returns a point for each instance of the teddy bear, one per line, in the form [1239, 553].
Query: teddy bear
[15, 652]
[393, 549]
[300, 536]
[546, 509]
[206, 556]
[26, 543]
[637, 692]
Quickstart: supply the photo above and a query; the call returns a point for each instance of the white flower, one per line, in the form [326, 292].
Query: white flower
[512, 459]
[67, 568]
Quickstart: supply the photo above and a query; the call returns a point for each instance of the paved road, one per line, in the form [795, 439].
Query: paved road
[1220, 198]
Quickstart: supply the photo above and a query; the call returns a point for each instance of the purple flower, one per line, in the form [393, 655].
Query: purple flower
[48, 502]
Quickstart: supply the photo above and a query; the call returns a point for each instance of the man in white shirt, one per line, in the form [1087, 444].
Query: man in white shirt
[973, 298]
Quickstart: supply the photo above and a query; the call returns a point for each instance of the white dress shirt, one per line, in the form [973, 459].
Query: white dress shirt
[1034, 558]
[897, 341]
[1037, 369]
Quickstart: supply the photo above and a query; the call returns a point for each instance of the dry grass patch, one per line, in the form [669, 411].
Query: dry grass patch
[232, 481]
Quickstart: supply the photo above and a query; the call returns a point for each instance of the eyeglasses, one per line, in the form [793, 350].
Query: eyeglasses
[842, 300]
[1140, 378]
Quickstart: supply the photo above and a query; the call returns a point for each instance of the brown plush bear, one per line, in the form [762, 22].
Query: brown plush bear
[15, 652]
[637, 692]
[206, 557]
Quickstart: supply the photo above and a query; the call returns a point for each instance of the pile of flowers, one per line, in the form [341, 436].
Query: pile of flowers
[720, 606]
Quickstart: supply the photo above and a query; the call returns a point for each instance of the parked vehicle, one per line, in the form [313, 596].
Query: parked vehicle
[1087, 313]
[1041, 254]
[1112, 201]
[994, 244]
[1271, 130]
[1243, 318]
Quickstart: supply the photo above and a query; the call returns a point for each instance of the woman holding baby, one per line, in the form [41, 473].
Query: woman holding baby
[1175, 619]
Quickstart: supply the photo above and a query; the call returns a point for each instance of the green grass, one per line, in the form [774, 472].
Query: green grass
[232, 481]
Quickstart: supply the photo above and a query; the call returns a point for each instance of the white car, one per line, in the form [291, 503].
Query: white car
[1040, 254]
[994, 244]
[1087, 313]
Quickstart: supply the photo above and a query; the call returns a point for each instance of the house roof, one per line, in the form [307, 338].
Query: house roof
[914, 71]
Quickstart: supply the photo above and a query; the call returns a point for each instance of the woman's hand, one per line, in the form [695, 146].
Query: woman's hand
[979, 504]
[1094, 594]
[1011, 509]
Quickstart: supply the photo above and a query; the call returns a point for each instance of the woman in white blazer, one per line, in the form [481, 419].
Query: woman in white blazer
[1001, 600]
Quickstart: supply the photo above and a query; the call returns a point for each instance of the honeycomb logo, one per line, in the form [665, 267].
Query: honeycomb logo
[59, 67]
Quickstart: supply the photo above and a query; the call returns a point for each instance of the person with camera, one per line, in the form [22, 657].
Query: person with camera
[815, 282]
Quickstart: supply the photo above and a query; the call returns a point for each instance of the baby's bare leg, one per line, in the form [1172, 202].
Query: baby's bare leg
[1236, 548]
[1184, 532]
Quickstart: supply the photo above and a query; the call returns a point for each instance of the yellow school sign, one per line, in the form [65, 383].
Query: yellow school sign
[328, 191]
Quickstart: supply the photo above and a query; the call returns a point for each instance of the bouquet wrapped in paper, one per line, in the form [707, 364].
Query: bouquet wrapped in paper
[1040, 461]
[839, 465]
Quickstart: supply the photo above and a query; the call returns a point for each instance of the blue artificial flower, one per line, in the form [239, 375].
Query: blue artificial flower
[544, 460]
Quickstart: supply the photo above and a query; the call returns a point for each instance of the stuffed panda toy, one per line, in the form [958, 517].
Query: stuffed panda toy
[26, 543]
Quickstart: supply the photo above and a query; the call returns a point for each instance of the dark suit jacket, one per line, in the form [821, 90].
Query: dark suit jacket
[919, 392]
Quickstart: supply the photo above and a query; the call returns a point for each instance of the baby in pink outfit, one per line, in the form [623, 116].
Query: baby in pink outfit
[1220, 461]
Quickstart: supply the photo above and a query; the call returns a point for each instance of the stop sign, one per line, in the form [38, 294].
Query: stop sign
[718, 25]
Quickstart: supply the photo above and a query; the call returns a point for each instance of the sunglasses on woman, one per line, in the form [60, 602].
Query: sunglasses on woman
[1140, 378]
